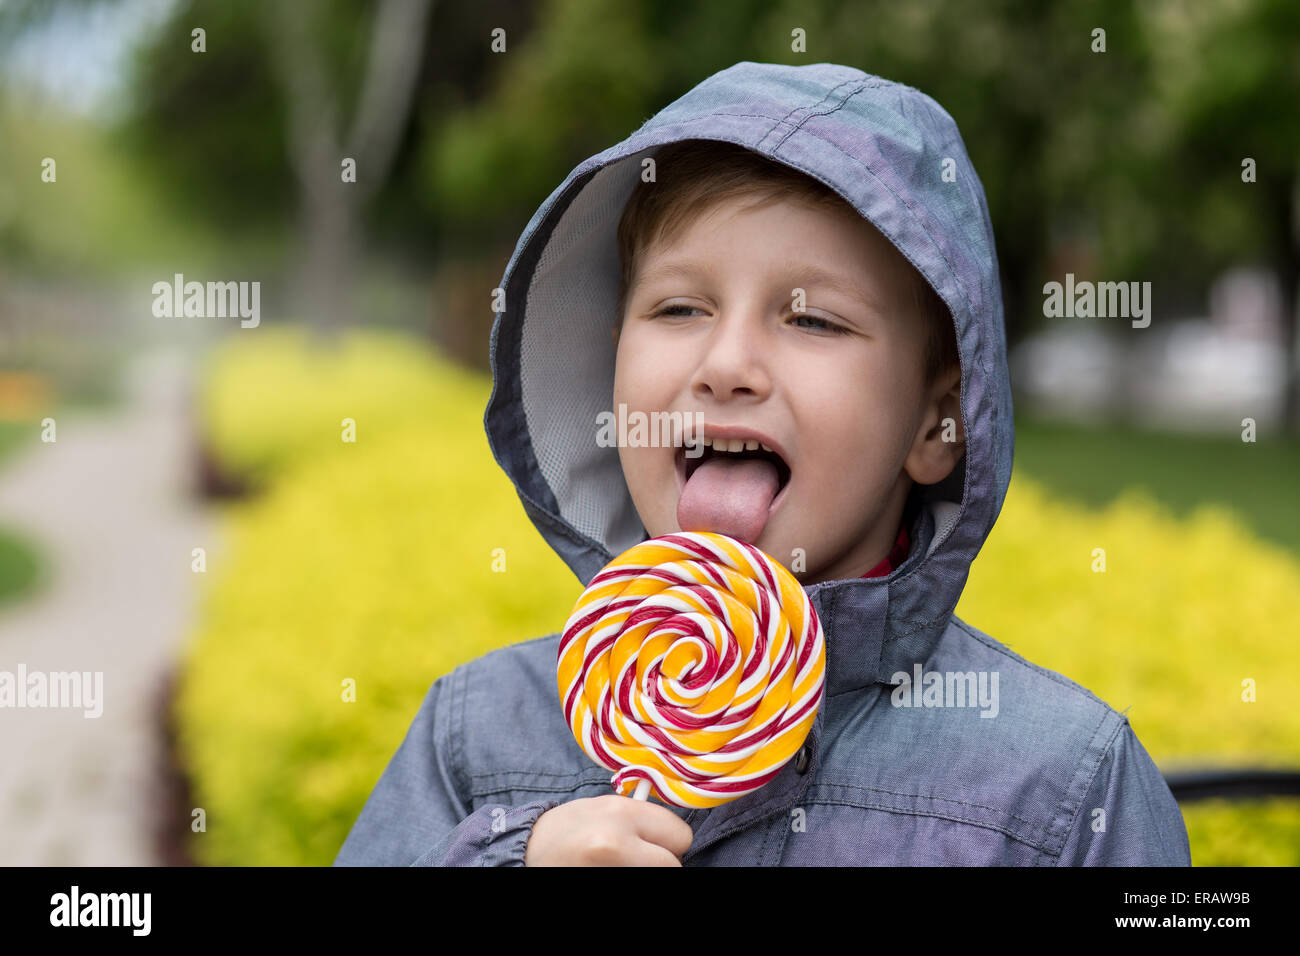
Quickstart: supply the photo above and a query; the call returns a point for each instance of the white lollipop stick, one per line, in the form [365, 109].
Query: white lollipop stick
[642, 790]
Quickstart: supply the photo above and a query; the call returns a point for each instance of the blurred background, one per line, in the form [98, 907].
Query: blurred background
[181, 509]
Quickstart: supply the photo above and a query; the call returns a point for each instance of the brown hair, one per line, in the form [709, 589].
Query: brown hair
[695, 175]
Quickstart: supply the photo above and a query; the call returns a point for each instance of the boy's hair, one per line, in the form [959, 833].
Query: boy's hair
[693, 175]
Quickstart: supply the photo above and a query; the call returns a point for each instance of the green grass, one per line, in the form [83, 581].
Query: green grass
[14, 434]
[20, 567]
[1092, 466]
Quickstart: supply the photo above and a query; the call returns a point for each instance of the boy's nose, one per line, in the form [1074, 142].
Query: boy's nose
[734, 361]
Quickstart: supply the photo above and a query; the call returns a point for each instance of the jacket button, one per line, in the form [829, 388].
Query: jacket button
[801, 760]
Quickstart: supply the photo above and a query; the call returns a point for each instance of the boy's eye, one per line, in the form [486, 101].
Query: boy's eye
[825, 324]
[676, 310]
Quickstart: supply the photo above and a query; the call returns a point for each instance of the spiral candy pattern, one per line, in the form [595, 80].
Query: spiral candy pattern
[695, 661]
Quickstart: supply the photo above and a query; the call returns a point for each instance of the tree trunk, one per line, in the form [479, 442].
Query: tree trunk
[330, 242]
[328, 266]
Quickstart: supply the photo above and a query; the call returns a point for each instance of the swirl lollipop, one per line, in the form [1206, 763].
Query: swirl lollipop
[692, 664]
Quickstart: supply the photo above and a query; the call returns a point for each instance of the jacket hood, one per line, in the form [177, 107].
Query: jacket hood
[883, 147]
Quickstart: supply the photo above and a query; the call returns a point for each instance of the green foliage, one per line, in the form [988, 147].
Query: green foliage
[1108, 162]
[1049, 124]
[21, 570]
[576, 86]
[1226, 84]
[209, 127]
[1094, 464]
[100, 216]
[14, 434]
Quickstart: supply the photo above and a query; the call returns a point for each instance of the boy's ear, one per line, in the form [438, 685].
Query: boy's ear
[940, 440]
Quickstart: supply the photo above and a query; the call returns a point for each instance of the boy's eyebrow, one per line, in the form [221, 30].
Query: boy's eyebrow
[672, 270]
[816, 275]
[805, 275]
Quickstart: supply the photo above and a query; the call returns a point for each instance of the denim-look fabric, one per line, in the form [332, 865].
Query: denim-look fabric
[1055, 778]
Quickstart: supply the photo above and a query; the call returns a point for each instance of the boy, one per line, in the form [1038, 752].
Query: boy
[801, 258]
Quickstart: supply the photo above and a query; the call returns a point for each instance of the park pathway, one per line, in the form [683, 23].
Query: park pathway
[111, 507]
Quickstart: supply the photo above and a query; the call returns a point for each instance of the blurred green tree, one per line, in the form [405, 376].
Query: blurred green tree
[323, 90]
[1229, 85]
[1044, 117]
[1123, 161]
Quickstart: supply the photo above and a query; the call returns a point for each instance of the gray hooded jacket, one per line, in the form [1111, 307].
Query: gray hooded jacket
[1055, 778]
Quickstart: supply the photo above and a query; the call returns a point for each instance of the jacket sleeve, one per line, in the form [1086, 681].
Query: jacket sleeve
[416, 816]
[1141, 824]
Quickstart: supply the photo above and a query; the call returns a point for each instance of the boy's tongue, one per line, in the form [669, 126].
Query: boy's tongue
[728, 495]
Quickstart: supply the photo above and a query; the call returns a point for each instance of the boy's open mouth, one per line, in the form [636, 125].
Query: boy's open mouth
[730, 492]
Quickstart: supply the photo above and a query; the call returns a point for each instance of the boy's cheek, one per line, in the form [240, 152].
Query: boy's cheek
[651, 492]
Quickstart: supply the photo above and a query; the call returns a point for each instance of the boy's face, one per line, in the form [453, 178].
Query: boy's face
[848, 410]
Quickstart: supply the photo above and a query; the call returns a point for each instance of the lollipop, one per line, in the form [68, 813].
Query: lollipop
[693, 664]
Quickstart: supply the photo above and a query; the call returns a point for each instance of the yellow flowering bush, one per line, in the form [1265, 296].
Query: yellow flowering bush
[370, 566]
[1187, 622]
[271, 397]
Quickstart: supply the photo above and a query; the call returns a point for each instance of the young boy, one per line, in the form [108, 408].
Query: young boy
[801, 258]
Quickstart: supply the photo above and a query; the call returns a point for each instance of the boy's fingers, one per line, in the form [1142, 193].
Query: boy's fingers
[657, 856]
[662, 827]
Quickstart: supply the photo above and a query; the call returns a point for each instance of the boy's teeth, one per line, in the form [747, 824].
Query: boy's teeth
[733, 444]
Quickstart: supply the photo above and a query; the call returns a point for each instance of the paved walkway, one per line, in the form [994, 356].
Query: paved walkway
[111, 506]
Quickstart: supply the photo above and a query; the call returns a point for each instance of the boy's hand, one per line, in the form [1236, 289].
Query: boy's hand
[610, 830]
